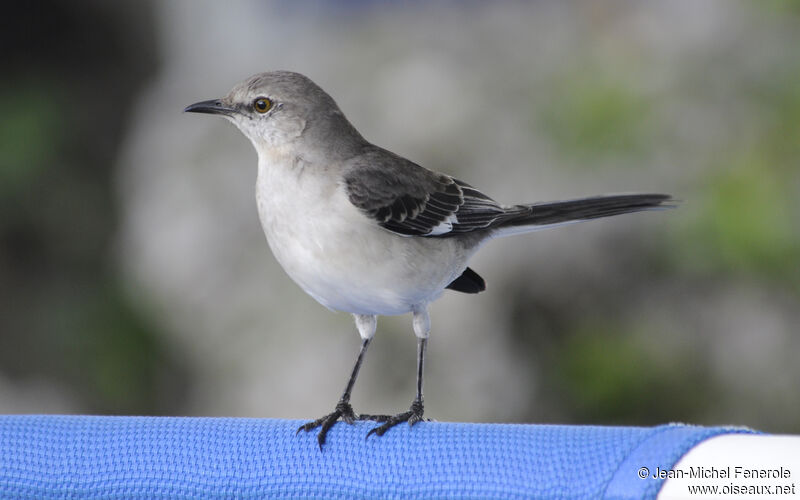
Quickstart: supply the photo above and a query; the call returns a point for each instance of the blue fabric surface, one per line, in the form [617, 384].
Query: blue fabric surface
[164, 457]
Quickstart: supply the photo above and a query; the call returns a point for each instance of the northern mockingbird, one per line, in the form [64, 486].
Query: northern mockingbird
[365, 231]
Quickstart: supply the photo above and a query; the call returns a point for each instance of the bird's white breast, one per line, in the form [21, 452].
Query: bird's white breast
[337, 254]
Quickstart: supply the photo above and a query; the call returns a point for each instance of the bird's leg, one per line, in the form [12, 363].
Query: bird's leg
[414, 414]
[366, 327]
[343, 409]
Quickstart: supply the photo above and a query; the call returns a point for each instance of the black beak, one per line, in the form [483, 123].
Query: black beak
[212, 107]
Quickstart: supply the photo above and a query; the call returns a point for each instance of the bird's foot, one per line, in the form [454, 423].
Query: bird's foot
[343, 411]
[412, 416]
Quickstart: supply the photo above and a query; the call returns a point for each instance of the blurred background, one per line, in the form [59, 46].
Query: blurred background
[135, 279]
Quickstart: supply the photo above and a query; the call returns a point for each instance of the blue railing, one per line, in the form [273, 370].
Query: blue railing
[57, 456]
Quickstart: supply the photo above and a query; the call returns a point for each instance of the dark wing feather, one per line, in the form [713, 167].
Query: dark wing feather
[413, 201]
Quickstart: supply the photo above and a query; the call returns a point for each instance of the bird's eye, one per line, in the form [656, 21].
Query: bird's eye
[262, 104]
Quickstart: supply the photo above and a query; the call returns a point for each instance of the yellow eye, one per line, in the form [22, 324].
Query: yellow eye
[262, 104]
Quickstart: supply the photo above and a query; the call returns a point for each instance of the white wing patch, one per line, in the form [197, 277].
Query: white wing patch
[445, 226]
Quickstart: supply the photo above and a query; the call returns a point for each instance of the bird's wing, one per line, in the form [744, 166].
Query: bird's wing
[410, 200]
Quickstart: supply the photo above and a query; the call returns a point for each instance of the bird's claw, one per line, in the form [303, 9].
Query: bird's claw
[412, 416]
[343, 411]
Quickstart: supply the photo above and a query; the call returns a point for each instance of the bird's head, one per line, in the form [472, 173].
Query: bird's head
[277, 109]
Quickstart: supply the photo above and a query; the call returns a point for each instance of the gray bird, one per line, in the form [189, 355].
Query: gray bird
[365, 231]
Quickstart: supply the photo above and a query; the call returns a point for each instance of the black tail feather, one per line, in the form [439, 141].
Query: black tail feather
[558, 212]
[468, 282]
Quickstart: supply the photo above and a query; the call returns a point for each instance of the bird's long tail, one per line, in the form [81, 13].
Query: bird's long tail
[526, 218]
